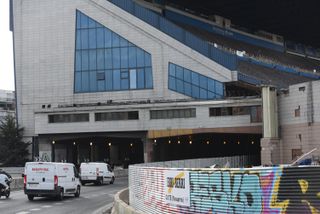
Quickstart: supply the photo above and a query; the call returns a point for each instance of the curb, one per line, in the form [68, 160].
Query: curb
[120, 207]
[103, 209]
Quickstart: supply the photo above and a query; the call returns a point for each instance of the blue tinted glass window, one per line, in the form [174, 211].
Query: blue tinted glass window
[179, 72]
[100, 38]
[123, 42]
[124, 57]
[78, 61]
[93, 81]
[172, 83]
[179, 86]
[219, 88]
[124, 75]
[132, 57]
[78, 40]
[92, 38]
[116, 57]
[92, 24]
[101, 85]
[107, 38]
[203, 82]
[203, 94]
[85, 60]
[116, 80]
[195, 92]
[133, 79]
[193, 84]
[105, 61]
[108, 58]
[78, 20]
[187, 75]
[187, 89]
[172, 70]
[85, 81]
[84, 39]
[211, 85]
[148, 75]
[83, 21]
[109, 80]
[115, 40]
[211, 95]
[92, 60]
[195, 78]
[147, 59]
[140, 58]
[140, 78]
[100, 59]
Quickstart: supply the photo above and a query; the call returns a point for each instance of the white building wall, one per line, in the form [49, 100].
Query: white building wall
[300, 132]
[44, 42]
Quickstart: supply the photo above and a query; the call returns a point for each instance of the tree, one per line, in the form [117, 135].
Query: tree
[13, 151]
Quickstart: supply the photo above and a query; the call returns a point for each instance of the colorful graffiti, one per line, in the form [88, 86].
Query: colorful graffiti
[274, 190]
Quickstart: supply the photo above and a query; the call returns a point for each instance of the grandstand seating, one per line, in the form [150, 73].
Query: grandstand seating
[260, 59]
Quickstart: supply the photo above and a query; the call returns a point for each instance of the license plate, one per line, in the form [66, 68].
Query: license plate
[33, 185]
[84, 178]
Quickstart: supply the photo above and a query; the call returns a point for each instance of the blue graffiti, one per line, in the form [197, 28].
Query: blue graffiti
[220, 192]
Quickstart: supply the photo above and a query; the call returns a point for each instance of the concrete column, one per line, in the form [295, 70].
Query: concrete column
[147, 150]
[270, 151]
[270, 143]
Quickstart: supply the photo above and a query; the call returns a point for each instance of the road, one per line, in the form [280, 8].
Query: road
[91, 199]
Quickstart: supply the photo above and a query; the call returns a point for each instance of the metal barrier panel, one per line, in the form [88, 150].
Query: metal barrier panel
[234, 190]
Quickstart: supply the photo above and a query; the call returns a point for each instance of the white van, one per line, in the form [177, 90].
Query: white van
[94, 172]
[50, 179]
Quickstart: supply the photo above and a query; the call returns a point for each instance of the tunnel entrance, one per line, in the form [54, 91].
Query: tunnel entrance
[208, 145]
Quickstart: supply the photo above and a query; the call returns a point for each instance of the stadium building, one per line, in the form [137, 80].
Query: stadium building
[137, 81]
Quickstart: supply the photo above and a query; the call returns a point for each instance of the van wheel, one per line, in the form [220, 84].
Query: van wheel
[77, 194]
[30, 197]
[112, 180]
[61, 195]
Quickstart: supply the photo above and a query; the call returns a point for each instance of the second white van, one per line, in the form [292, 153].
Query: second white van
[97, 173]
[50, 179]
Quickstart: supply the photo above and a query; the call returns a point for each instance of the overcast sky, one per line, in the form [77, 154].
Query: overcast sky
[6, 56]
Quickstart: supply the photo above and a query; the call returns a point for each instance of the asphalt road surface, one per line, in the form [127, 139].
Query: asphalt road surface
[91, 199]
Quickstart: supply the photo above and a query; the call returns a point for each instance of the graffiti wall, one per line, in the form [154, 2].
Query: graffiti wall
[248, 190]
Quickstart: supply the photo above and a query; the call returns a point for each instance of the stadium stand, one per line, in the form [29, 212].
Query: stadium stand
[209, 44]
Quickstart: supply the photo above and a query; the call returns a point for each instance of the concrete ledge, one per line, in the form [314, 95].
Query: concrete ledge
[120, 206]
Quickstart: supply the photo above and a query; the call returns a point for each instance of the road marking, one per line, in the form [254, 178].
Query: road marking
[59, 203]
[68, 201]
[46, 206]
[35, 209]
[23, 212]
[103, 209]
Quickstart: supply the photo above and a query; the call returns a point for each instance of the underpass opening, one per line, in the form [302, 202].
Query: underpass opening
[208, 145]
[117, 151]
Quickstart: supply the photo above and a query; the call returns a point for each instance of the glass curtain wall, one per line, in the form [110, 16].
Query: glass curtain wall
[105, 61]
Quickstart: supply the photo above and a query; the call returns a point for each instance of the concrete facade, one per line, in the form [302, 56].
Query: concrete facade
[44, 43]
[299, 120]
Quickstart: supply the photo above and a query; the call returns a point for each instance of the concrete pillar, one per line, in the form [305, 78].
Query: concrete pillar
[270, 151]
[147, 150]
[270, 143]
